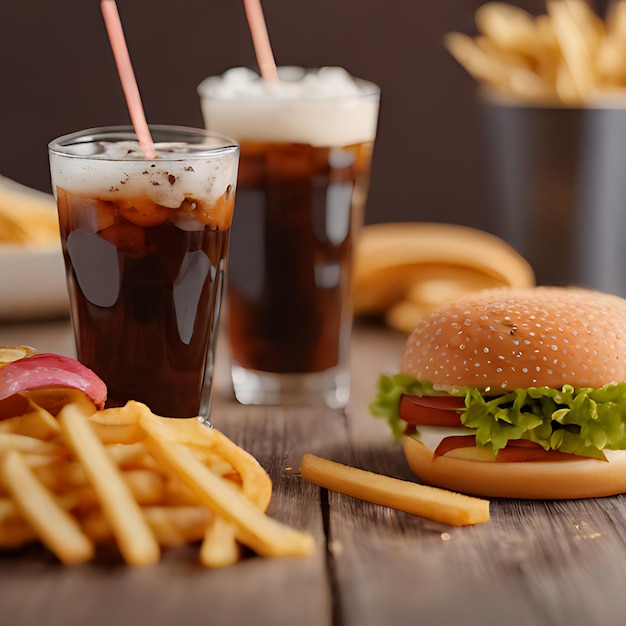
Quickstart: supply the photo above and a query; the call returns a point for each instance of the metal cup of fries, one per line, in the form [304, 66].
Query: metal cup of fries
[553, 99]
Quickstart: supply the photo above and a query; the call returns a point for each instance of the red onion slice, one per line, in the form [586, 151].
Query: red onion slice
[49, 371]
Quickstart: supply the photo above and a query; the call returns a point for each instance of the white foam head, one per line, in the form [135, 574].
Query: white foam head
[114, 169]
[321, 107]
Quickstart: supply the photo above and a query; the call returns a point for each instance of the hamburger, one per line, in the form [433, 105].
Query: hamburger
[515, 392]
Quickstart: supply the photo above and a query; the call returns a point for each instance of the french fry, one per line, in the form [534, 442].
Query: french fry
[36, 461]
[177, 526]
[256, 484]
[31, 445]
[119, 416]
[145, 486]
[176, 493]
[436, 504]
[119, 424]
[476, 61]
[215, 462]
[61, 476]
[591, 28]
[574, 46]
[611, 59]
[610, 62]
[134, 537]
[219, 547]
[511, 57]
[188, 432]
[265, 535]
[131, 455]
[37, 422]
[97, 528]
[53, 400]
[549, 54]
[122, 433]
[53, 525]
[509, 27]
[565, 85]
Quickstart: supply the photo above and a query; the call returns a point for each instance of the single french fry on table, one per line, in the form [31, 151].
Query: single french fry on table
[432, 503]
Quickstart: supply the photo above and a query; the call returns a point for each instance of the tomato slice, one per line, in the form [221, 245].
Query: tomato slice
[431, 410]
[453, 442]
[517, 451]
[436, 402]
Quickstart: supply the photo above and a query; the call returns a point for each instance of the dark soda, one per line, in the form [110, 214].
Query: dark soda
[146, 286]
[298, 210]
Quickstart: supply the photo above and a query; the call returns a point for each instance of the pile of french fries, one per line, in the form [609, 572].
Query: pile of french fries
[27, 216]
[569, 55]
[75, 479]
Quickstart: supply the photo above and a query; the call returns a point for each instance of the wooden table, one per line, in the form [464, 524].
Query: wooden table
[534, 563]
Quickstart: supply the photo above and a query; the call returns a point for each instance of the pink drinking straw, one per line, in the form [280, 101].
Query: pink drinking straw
[127, 77]
[261, 40]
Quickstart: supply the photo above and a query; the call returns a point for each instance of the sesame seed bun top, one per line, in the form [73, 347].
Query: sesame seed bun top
[504, 339]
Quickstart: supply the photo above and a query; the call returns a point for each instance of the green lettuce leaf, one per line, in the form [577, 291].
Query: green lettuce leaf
[577, 421]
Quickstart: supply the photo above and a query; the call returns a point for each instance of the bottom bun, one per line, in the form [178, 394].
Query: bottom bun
[539, 480]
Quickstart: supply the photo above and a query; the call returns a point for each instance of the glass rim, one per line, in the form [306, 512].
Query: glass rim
[126, 132]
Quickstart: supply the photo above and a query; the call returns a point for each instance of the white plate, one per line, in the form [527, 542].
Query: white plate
[32, 282]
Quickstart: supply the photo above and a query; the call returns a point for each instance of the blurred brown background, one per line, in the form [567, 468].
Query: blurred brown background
[58, 75]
